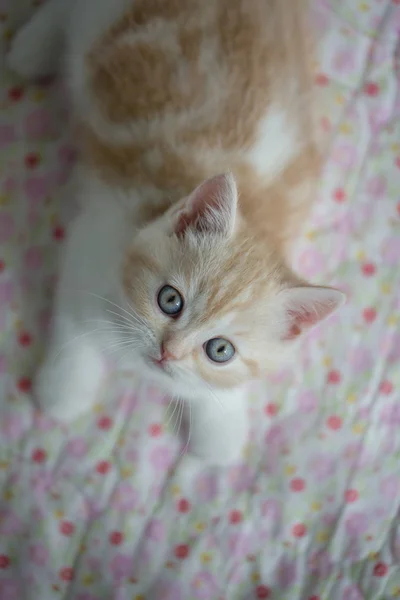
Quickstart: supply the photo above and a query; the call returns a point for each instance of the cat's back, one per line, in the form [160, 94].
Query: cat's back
[157, 81]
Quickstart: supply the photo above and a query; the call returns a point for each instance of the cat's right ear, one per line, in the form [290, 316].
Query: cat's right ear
[210, 208]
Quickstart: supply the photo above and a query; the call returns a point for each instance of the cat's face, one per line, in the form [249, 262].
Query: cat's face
[213, 308]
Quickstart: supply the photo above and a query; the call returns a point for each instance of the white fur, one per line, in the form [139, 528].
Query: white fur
[277, 144]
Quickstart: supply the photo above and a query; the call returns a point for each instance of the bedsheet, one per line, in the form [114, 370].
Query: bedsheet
[106, 510]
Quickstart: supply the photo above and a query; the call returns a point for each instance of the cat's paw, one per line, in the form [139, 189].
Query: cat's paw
[64, 398]
[218, 436]
[31, 56]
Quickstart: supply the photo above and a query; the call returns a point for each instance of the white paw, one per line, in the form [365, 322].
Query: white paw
[28, 57]
[64, 398]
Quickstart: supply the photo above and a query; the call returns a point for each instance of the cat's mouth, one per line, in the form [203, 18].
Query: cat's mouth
[159, 365]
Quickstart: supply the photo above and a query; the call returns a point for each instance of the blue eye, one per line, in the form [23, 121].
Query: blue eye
[219, 350]
[170, 301]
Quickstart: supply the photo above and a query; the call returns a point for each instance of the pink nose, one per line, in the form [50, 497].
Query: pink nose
[166, 355]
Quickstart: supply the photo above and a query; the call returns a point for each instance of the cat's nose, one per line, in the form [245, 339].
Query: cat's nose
[166, 354]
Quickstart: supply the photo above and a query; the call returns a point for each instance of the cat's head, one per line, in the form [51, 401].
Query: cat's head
[213, 306]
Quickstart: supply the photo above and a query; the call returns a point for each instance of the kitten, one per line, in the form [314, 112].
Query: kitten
[198, 168]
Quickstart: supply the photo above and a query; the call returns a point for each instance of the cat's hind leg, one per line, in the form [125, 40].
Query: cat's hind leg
[37, 47]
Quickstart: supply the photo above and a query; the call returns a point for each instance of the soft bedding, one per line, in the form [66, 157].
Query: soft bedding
[107, 509]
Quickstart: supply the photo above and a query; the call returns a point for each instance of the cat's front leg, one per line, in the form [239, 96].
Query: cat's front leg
[68, 383]
[218, 427]
[37, 47]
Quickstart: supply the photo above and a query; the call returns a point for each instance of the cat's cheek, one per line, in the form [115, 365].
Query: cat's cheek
[226, 376]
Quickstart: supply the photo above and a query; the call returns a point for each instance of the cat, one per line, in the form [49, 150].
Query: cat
[198, 166]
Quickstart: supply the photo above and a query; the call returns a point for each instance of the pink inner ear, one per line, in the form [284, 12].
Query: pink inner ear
[307, 306]
[299, 322]
[184, 221]
[210, 208]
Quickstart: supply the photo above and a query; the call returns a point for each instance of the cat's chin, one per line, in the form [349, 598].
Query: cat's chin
[169, 382]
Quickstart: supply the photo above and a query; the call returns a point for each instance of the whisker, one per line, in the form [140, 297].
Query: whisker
[123, 344]
[181, 416]
[219, 401]
[106, 300]
[174, 410]
[186, 446]
[74, 339]
[178, 417]
[124, 319]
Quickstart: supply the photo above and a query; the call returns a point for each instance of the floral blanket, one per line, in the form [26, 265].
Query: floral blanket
[106, 510]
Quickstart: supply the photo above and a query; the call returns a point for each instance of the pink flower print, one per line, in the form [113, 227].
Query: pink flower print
[167, 590]
[271, 510]
[10, 523]
[44, 321]
[67, 155]
[43, 422]
[322, 466]
[344, 155]
[280, 376]
[311, 262]
[275, 438]
[320, 564]
[379, 118]
[9, 185]
[128, 403]
[39, 124]
[360, 360]
[379, 54]
[161, 458]
[394, 344]
[33, 258]
[390, 487]
[377, 187]
[86, 596]
[155, 530]
[204, 585]
[94, 563]
[42, 482]
[125, 498]
[206, 487]
[121, 566]
[352, 451]
[240, 545]
[132, 455]
[329, 519]
[39, 554]
[7, 227]
[390, 415]
[344, 61]
[240, 478]
[356, 524]
[7, 135]
[352, 592]
[92, 510]
[77, 447]
[287, 573]
[391, 251]
[271, 519]
[36, 189]
[12, 426]
[307, 401]
[9, 589]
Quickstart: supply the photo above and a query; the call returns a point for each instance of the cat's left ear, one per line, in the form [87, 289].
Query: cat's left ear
[306, 306]
[210, 208]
